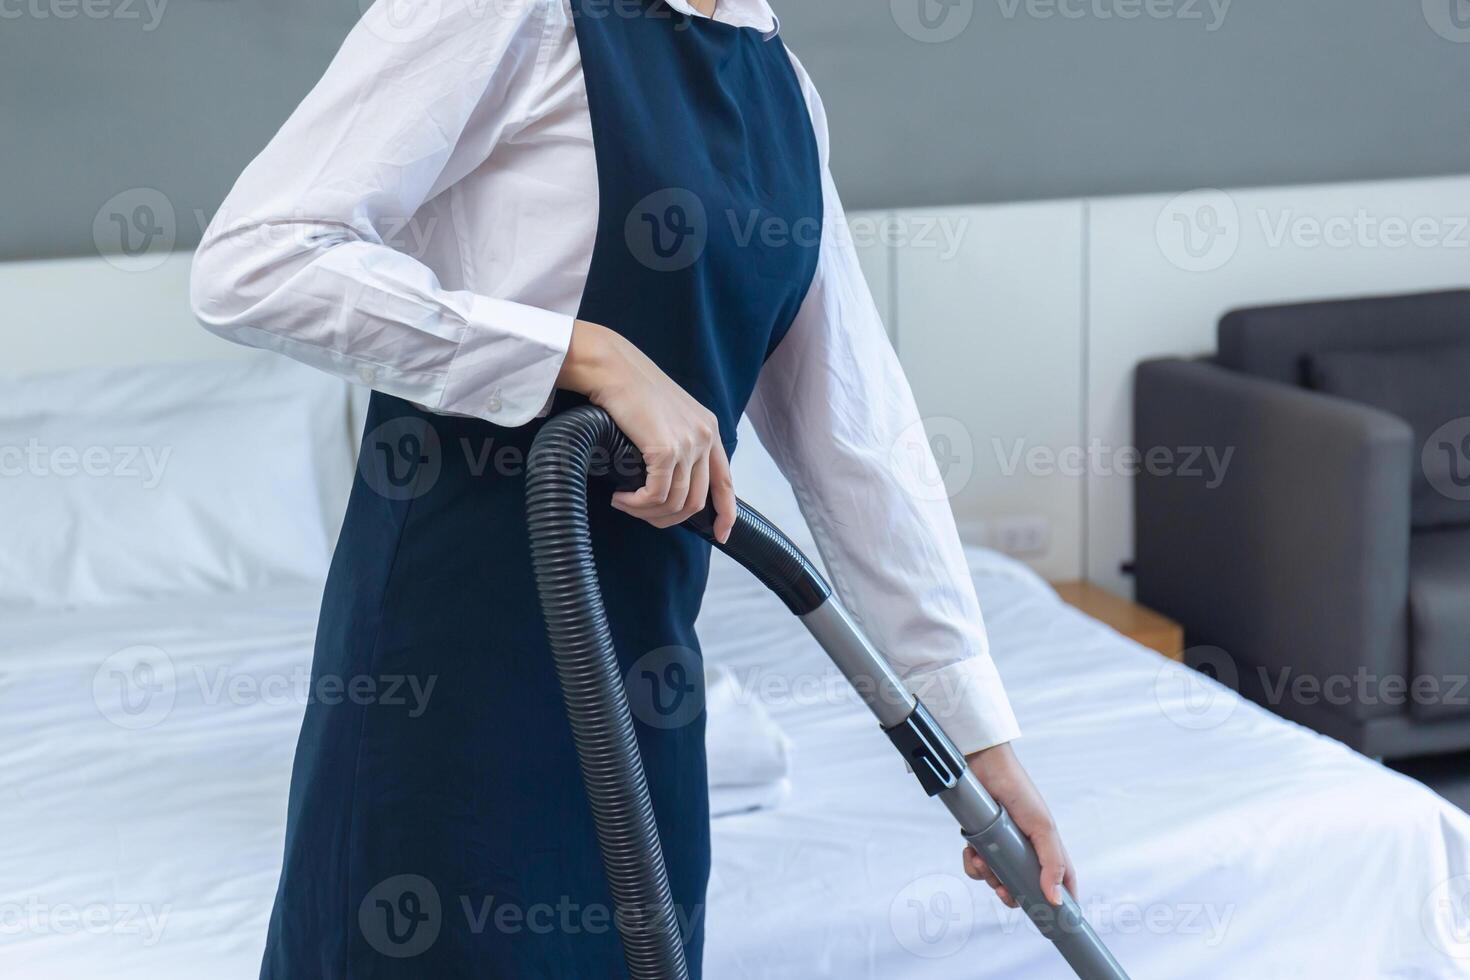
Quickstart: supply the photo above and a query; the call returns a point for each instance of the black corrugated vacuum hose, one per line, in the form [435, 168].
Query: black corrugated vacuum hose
[584, 442]
[570, 448]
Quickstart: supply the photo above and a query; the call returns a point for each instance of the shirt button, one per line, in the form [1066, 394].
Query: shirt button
[493, 404]
[367, 373]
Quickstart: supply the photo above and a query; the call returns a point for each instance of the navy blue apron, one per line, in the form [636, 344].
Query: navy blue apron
[437, 824]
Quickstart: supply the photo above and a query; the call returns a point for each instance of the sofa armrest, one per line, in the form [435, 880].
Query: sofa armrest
[1293, 558]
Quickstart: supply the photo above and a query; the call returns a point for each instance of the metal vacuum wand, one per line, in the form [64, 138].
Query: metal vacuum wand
[941, 770]
[938, 765]
[583, 442]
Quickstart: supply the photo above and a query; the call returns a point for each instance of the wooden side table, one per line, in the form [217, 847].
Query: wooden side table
[1140, 624]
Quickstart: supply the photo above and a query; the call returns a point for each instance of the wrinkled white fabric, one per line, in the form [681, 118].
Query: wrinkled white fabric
[748, 756]
[145, 808]
[423, 224]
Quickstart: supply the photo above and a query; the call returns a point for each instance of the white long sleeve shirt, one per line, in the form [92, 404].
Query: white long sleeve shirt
[423, 224]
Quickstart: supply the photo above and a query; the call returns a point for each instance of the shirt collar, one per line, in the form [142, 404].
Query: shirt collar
[738, 13]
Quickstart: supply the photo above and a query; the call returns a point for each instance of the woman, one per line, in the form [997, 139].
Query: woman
[490, 210]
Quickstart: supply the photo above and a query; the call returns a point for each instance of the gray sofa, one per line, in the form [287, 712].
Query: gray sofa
[1327, 572]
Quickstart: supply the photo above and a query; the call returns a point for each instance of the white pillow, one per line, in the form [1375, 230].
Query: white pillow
[749, 755]
[989, 563]
[121, 484]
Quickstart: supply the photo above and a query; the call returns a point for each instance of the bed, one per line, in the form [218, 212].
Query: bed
[146, 742]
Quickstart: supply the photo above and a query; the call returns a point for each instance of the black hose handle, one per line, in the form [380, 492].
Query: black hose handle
[754, 542]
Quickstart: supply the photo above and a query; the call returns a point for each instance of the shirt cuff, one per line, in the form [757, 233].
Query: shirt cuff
[969, 702]
[507, 362]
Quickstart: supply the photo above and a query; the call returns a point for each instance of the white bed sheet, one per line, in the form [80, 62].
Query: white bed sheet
[1250, 849]
[1233, 845]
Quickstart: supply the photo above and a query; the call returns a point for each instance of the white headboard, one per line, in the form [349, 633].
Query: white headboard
[1019, 326]
[94, 312]
[90, 312]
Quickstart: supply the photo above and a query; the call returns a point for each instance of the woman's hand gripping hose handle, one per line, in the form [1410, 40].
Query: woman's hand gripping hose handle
[679, 438]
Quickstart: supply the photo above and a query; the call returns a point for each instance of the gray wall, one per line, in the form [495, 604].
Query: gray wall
[1031, 99]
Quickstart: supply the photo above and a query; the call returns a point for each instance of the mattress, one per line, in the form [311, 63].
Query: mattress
[143, 836]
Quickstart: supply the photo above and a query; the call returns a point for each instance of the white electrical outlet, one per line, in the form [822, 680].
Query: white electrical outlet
[1021, 535]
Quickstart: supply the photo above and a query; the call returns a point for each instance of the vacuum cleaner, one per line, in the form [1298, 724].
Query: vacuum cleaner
[584, 443]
